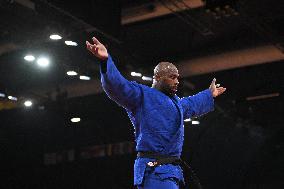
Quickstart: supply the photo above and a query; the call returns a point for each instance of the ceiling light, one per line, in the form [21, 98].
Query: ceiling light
[195, 122]
[2, 95]
[55, 37]
[12, 98]
[43, 62]
[71, 73]
[83, 77]
[146, 78]
[28, 103]
[71, 43]
[75, 119]
[29, 58]
[135, 74]
[187, 120]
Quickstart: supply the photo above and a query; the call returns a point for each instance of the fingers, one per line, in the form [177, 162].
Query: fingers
[90, 47]
[221, 90]
[96, 41]
[213, 81]
[212, 85]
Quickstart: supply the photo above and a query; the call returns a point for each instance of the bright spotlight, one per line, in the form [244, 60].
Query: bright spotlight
[146, 78]
[43, 62]
[71, 43]
[71, 73]
[75, 119]
[29, 58]
[187, 120]
[83, 77]
[195, 122]
[28, 103]
[2, 95]
[135, 74]
[12, 98]
[55, 37]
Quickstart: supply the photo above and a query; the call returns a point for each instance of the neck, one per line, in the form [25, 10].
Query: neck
[157, 86]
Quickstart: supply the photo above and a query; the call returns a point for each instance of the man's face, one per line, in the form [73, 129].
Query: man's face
[167, 78]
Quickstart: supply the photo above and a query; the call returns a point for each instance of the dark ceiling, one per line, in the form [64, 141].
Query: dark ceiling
[198, 32]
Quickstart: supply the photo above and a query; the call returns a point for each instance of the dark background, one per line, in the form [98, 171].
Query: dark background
[239, 145]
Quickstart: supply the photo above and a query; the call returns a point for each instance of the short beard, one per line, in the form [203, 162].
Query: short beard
[166, 89]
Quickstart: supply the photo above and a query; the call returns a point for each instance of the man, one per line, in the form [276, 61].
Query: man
[157, 115]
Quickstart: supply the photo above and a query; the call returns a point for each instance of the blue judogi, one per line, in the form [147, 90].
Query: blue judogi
[156, 117]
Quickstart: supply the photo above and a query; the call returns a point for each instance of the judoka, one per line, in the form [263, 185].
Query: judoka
[157, 115]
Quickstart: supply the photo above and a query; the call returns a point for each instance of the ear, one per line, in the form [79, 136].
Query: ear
[156, 77]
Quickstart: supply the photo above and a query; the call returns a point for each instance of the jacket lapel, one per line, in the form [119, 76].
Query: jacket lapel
[179, 107]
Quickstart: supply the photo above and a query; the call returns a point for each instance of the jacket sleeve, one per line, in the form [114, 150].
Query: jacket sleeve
[125, 93]
[197, 105]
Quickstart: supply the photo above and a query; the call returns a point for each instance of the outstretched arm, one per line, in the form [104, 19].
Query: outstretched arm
[119, 89]
[202, 102]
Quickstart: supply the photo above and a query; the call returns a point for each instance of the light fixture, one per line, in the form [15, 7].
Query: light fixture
[29, 58]
[12, 98]
[28, 103]
[43, 62]
[195, 122]
[71, 43]
[187, 120]
[55, 37]
[2, 95]
[71, 73]
[75, 119]
[135, 74]
[83, 77]
[145, 78]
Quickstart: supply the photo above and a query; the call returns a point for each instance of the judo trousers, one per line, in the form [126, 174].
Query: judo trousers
[154, 181]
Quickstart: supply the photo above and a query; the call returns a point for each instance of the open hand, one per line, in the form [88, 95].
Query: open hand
[98, 49]
[216, 89]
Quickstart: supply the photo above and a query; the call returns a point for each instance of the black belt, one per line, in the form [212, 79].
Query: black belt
[159, 159]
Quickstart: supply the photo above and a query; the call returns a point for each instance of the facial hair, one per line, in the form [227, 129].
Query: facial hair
[167, 89]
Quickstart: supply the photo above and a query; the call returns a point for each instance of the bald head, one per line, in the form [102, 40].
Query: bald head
[166, 78]
[165, 69]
